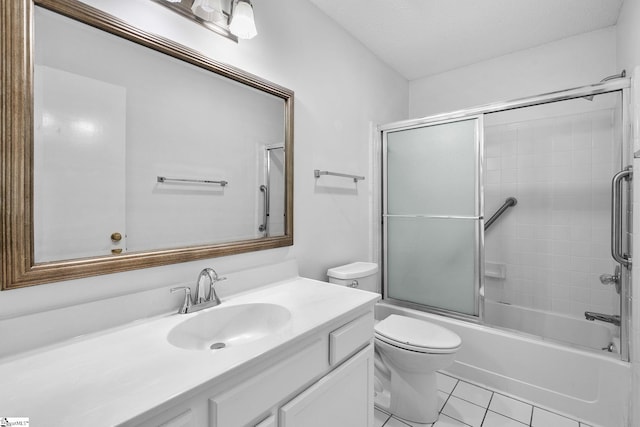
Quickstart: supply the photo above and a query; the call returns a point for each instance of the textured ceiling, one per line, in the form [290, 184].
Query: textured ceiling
[419, 38]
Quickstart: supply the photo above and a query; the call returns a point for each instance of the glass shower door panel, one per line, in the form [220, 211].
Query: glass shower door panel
[433, 262]
[432, 215]
[432, 170]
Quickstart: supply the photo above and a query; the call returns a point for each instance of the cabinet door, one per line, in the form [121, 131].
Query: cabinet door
[243, 404]
[343, 397]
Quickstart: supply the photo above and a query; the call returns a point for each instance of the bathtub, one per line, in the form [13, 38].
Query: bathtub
[585, 385]
[553, 326]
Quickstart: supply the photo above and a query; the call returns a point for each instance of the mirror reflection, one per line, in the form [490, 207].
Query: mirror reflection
[136, 151]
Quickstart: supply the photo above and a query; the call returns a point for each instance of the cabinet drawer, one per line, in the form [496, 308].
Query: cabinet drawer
[349, 338]
[245, 403]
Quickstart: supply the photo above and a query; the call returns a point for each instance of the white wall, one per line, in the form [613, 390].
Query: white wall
[570, 62]
[628, 42]
[340, 89]
[628, 35]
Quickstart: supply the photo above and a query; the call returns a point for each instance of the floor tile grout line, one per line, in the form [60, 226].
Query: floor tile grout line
[533, 409]
[454, 418]
[455, 386]
[477, 386]
[385, 423]
[533, 405]
[511, 418]
[493, 393]
[514, 398]
[388, 415]
[487, 409]
[473, 403]
[519, 400]
[554, 413]
[448, 397]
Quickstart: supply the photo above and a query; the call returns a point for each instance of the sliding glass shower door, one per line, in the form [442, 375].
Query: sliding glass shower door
[432, 215]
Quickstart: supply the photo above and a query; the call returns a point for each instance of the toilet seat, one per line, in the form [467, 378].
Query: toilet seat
[417, 335]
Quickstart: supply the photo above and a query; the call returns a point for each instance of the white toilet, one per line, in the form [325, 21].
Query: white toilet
[408, 353]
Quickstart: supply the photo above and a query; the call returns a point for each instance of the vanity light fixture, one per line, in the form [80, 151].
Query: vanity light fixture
[230, 18]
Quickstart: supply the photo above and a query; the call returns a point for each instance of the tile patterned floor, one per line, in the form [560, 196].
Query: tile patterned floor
[463, 404]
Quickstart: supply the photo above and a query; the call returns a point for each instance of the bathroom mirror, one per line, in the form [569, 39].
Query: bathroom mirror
[125, 150]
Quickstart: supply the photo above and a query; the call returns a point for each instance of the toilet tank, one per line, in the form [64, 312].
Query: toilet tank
[360, 275]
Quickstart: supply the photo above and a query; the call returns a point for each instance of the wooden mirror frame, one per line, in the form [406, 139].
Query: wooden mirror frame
[17, 118]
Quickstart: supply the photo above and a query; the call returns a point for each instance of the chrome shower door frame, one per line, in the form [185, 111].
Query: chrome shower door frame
[626, 230]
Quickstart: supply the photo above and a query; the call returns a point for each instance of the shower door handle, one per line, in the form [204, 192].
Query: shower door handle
[616, 216]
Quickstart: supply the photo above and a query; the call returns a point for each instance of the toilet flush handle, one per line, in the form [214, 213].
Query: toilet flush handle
[353, 284]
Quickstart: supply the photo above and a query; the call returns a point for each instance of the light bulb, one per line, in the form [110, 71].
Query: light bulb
[209, 10]
[242, 23]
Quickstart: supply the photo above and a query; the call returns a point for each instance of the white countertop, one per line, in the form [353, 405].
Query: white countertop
[107, 378]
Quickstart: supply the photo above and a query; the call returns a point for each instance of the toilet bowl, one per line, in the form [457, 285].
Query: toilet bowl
[411, 352]
[408, 352]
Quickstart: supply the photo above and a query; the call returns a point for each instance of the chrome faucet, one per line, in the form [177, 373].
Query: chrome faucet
[213, 279]
[201, 300]
[609, 318]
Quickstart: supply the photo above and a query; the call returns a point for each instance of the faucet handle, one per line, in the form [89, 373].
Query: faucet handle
[213, 295]
[186, 305]
[612, 279]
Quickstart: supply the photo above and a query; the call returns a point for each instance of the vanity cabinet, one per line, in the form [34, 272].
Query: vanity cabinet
[325, 379]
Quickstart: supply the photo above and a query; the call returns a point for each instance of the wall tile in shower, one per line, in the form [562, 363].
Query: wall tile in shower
[555, 241]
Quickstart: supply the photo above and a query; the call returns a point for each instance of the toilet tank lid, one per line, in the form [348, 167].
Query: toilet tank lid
[354, 270]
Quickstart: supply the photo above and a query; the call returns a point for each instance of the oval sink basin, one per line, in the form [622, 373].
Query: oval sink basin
[225, 326]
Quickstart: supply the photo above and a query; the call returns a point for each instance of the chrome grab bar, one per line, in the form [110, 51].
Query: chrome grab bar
[510, 201]
[265, 216]
[616, 216]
